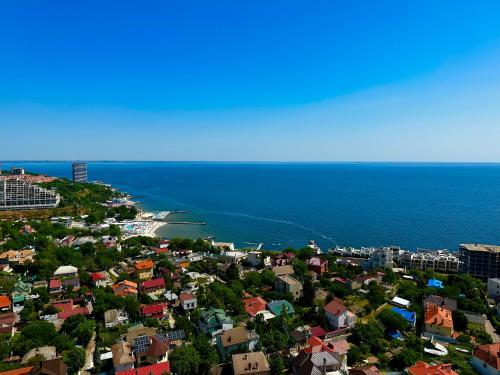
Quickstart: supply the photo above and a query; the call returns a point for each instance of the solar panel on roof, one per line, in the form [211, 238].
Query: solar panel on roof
[141, 344]
[176, 335]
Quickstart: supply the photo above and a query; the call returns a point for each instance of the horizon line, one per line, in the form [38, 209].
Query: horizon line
[245, 161]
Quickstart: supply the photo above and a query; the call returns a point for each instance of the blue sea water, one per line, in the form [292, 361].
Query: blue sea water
[287, 204]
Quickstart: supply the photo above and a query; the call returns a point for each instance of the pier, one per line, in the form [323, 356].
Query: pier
[185, 222]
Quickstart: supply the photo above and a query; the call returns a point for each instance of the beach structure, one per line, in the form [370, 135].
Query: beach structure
[16, 194]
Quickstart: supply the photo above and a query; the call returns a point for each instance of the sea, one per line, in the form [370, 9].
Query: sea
[412, 205]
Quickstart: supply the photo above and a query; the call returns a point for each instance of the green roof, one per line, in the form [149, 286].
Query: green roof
[277, 307]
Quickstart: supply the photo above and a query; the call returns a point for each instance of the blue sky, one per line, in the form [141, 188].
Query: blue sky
[259, 80]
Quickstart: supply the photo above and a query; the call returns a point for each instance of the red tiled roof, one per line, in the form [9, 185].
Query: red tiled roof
[316, 345]
[317, 331]
[54, 283]
[144, 265]
[437, 315]
[152, 309]
[186, 296]
[4, 302]
[489, 354]
[155, 283]
[18, 371]
[254, 305]
[422, 368]
[158, 369]
[335, 307]
[97, 276]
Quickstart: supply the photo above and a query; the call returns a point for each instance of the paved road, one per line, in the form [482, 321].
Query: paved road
[89, 354]
[488, 327]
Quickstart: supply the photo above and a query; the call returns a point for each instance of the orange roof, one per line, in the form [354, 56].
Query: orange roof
[489, 354]
[316, 345]
[144, 265]
[18, 371]
[422, 368]
[4, 302]
[254, 305]
[437, 315]
[124, 288]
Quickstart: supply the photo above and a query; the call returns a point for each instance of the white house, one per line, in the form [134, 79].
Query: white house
[188, 301]
[66, 271]
[338, 316]
[400, 302]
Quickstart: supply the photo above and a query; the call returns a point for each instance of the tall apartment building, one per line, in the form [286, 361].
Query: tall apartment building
[437, 260]
[16, 194]
[80, 172]
[479, 260]
[380, 258]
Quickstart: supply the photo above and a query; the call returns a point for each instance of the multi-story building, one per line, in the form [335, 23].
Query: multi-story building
[80, 172]
[16, 194]
[287, 284]
[438, 321]
[482, 261]
[486, 359]
[435, 260]
[380, 258]
[338, 316]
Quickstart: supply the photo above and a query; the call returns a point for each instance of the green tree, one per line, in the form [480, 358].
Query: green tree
[392, 320]
[40, 333]
[207, 352]
[74, 359]
[277, 364]
[185, 360]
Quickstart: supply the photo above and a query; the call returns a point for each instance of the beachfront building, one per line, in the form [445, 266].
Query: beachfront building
[338, 316]
[380, 258]
[436, 260]
[16, 194]
[287, 284]
[80, 172]
[482, 261]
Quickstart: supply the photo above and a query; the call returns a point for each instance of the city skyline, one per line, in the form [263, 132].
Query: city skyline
[252, 82]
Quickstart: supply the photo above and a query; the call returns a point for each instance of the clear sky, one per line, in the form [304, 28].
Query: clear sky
[250, 80]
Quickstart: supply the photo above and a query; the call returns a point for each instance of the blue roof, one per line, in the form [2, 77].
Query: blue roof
[277, 307]
[394, 334]
[410, 316]
[435, 283]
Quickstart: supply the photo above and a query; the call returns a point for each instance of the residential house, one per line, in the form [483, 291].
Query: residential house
[66, 271]
[254, 305]
[254, 363]
[318, 265]
[400, 302]
[445, 302]
[115, 317]
[172, 298]
[55, 286]
[67, 308]
[422, 368]
[188, 301]
[283, 270]
[284, 259]
[5, 303]
[237, 339]
[486, 359]
[256, 259]
[123, 356]
[235, 257]
[338, 316]
[409, 316]
[278, 307]
[42, 353]
[17, 257]
[318, 363]
[287, 284]
[156, 369]
[7, 322]
[155, 287]
[150, 349]
[213, 321]
[223, 245]
[125, 288]
[99, 280]
[365, 370]
[155, 310]
[438, 321]
[71, 284]
[54, 366]
[144, 269]
[21, 291]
